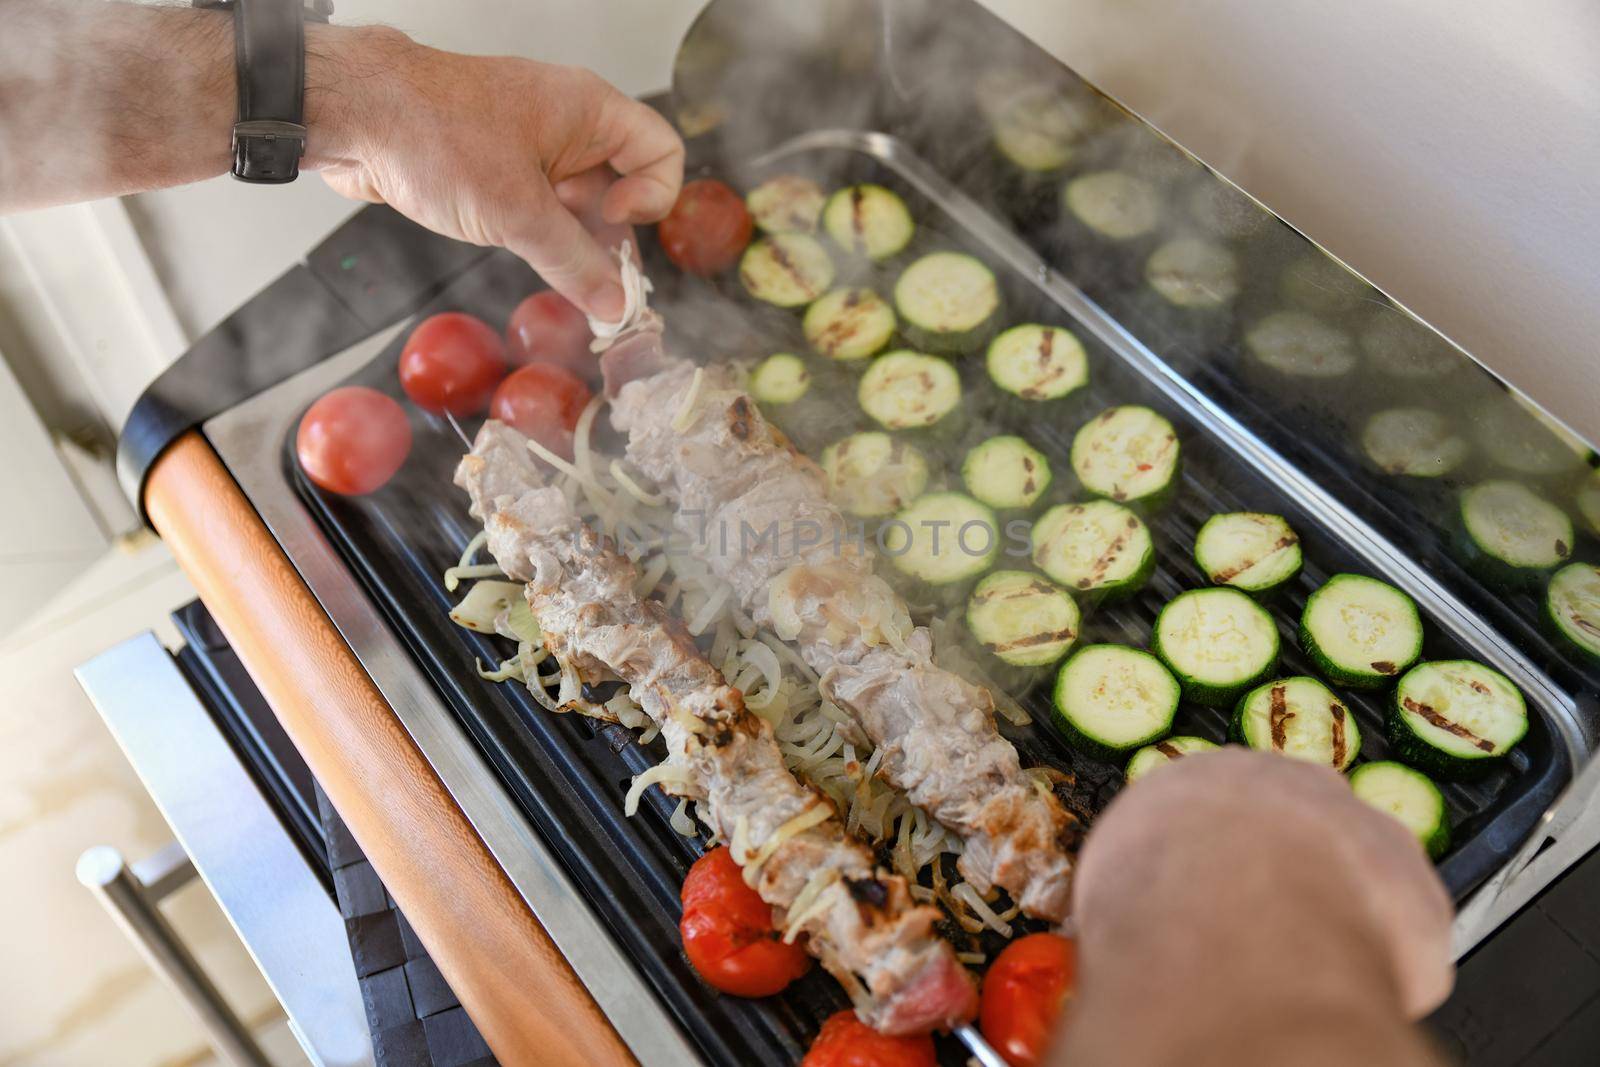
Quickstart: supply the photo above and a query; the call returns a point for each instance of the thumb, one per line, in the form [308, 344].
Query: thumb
[570, 260]
[352, 183]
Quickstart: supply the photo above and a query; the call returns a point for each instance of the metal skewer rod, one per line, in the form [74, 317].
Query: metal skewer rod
[981, 1050]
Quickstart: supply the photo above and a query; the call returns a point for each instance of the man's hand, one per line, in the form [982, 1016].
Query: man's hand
[493, 150]
[105, 99]
[1244, 908]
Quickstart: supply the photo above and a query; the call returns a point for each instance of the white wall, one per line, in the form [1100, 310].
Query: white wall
[1448, 151]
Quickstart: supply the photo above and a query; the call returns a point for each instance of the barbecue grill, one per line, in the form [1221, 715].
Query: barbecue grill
[844, 94]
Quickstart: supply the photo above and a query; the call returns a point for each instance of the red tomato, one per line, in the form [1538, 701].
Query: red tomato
[452, 362]
[728, 933]
[544, 402]
[352, 440]
[548, 328]
[1024, 993]
[706, 229]
[846, 1041]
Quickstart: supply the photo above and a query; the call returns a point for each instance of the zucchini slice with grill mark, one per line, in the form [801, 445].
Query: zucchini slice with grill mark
[1572, 603]
[1115, 205]
[1110, 699]
[868, 220]
[1094, 547]
[1221, 209]
[1525, 441]
[781, 378]
[1037, 362]
[1413, 442]
[871, 474]
[1455, 718]
[942, 538]
[1164, 752]
[1192, 273]
[1127, 454]
[1301, 346]
[848, 324]
[1298, 717]
[1218, 642]
[1360, 631]
[786, 269]
[1512, 532]
[1006, 472]
[1022, 618]
[907, 390]
[1408, 795]
[1248, 550]
[1041, 131]
[946, 300]
[786, 204]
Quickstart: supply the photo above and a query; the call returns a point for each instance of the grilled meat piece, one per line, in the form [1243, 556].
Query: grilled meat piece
[880, 945]
[759, 513]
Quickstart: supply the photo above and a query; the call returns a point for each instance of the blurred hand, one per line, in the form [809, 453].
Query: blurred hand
[495, 151]
[1245, 908]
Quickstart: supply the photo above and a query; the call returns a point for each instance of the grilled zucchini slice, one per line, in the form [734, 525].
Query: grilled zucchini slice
[1413, 442]
[1513, 533]
[1360, 631]
[781, 378]
[1301, 346]
[1397, 345]
[1456, 718]
[872, 474]
[1040, 131]
[1248, 550]
[1410, 796]
[848, 324]
[786, 269]
[1298, 717]
[1588, 501]
[786, 204]
[1115, 205]
[868, 220]
[1319, 283]
[942, 539]
[1192, 273]
[1164, 752]
[1110, 700]
[1037, 362]
[1128, 454]
[907, 390]
[1006, 472]
[1022, 618]
[1572, 602]
[947, 301]
[1218, 642]
[1094, 547]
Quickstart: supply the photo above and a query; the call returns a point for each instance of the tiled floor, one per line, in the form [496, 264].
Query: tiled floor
[73, 992]
[1531, 994]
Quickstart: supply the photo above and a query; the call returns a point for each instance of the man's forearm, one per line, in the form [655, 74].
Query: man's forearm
[102, 99]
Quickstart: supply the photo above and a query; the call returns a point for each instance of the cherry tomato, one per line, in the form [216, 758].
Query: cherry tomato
[846, 1041]
[548, 328]
[728, 933]
[352, 440]
[452, 362]
[706, 229]
[544, 402]
[1024, 992]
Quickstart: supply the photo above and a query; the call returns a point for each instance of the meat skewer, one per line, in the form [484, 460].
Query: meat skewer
[859, 920]
[759, 514]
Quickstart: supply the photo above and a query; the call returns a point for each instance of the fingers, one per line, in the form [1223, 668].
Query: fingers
[648, 156]
[570, 259]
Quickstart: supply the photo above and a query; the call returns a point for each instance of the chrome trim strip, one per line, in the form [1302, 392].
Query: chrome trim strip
[249, 438]
[1378, 551]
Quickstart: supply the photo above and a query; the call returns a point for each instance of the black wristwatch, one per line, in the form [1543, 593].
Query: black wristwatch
[269, 134]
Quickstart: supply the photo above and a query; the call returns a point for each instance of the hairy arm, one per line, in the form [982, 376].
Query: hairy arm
[103, 99]
[1240, 908]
